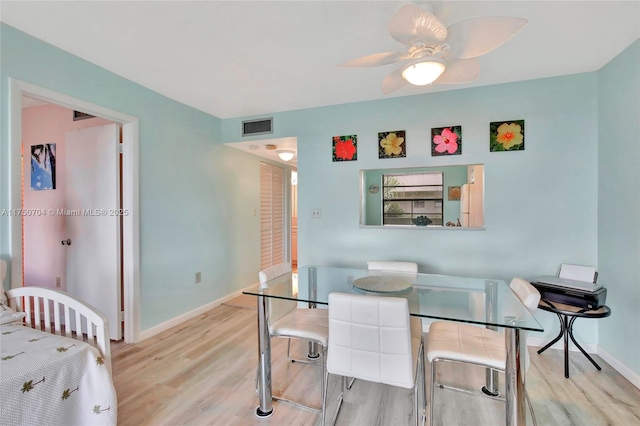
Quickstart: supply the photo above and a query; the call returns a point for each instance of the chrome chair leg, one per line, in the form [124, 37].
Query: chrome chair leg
[424, 387]
[299, 360]
[415, 392]
[533, 414]
[434, 375]
[257, 373]
[323, 388]
[324, 397]
[322, 364]
[342, 389]
[350, 384]
[343, 385]
[434, 362]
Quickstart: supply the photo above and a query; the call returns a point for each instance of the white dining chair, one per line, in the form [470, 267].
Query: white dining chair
[286, 320]
[388, 266]
[464, 343]
[392, 266]
[374, 339]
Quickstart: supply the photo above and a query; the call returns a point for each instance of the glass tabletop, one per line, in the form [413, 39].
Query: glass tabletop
[472, 300]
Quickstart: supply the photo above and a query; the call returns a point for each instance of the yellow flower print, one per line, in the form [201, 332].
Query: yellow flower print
[509, 134]
[391, 144]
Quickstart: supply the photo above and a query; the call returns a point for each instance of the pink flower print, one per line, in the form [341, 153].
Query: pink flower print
[447, 141]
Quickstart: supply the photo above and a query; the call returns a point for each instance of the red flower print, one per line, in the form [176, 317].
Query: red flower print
[345, 150]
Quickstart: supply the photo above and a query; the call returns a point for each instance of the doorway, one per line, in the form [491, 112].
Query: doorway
[72, 173]
[130, 192]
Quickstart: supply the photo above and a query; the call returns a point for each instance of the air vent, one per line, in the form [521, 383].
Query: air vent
[77, 115]
[257, 127]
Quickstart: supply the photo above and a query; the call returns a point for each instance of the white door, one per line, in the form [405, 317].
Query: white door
[93, 192]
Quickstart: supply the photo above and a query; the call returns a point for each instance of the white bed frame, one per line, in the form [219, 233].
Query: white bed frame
[49, 310]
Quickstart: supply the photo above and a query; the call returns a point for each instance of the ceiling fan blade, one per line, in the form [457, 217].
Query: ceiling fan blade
[393, 82]
[412, 24]
[375, 60]
[461, 71]
[476, 36]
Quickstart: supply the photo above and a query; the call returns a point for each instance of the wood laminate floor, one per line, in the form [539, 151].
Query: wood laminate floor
[202, 373]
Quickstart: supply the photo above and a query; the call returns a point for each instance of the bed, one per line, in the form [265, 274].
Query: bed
[55, 363]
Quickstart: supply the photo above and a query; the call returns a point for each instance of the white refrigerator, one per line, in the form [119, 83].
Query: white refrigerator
[464, 205]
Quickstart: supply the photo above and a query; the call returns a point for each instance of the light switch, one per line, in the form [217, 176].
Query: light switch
[315, 213]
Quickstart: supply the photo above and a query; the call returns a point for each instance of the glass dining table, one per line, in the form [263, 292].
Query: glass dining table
[486, 302]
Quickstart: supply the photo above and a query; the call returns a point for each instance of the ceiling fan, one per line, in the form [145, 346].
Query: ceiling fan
[437, 54]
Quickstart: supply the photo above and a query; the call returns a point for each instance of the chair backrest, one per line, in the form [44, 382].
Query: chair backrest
[274, 272]
[528, 294]
[370, 339]
[392, 266]
[277, 307]
[530, 297]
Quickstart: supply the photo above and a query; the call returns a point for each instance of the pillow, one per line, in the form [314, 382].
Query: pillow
[7, 314]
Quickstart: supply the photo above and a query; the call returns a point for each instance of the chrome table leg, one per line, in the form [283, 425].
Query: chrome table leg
[313, 294]
[491, 311]
[265, 409]
[514, 393]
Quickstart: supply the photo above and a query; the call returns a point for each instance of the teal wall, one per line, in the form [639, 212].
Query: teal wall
[619, 204]
[196, 195]
[540, 203]
[372, 203]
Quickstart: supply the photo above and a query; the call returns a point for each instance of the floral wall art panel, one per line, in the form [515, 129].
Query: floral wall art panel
[392, 144]
[506, 136]
[43, 166]
[345, 148]
[446, 141]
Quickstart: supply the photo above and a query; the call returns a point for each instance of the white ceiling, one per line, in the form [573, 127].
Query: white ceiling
[242, 58]
[259, 148]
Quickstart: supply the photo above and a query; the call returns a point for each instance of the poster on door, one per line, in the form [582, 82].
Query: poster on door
[43, 166]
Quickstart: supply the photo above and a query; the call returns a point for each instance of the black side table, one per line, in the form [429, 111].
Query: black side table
[566, 326]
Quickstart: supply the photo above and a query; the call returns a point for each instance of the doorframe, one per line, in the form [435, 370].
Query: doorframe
[130, 191]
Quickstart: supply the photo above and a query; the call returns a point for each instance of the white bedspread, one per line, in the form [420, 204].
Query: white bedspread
[53, 380]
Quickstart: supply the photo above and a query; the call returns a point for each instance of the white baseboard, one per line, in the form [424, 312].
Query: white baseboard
[187, 316]
[542, 341]
[625, 371]
[628, 374]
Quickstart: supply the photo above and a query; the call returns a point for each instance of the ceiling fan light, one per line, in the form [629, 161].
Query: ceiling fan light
[423, 73]
[286, 154]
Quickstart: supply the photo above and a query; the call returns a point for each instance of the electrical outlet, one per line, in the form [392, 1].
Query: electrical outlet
[58, 282]
[198, 277]
[315, 213]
